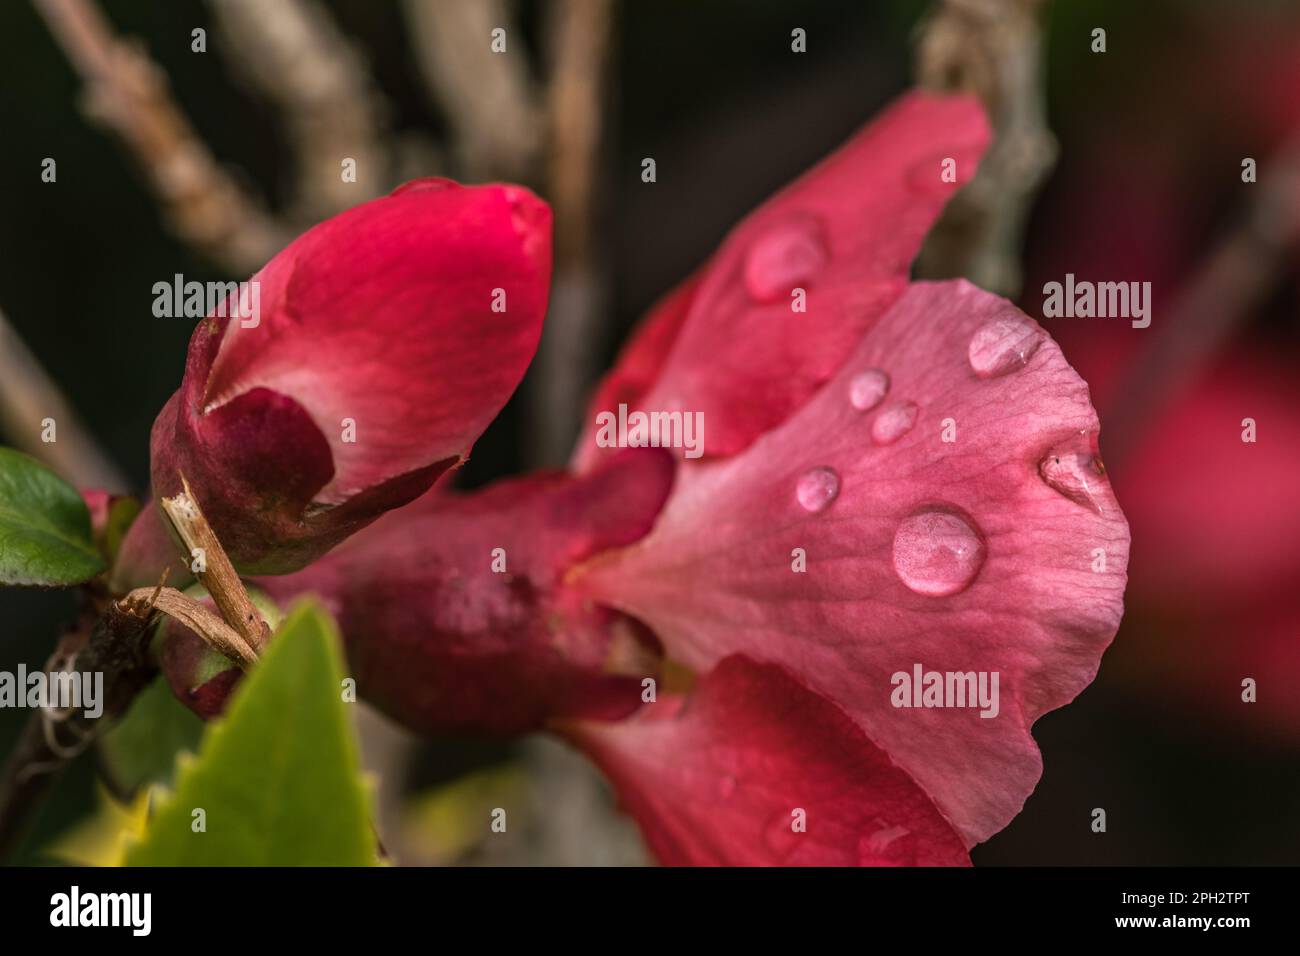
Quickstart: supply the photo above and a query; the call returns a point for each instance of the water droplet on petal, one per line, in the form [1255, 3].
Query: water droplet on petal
[817, 488]
[887, 843]
[893, 423]
[937, 552]
[788, 254]
[1076, 474]
[1002, 346]
[780, 836]
[867, 389]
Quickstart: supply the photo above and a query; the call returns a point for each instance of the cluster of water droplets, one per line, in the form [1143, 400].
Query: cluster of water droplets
[937, 551]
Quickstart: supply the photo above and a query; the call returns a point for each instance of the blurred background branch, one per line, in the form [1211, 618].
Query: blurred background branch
[127, 94]
[488, 97]
[293, 54]
[994, 49]
[579, 39]
[28, 396]
[1234, 280]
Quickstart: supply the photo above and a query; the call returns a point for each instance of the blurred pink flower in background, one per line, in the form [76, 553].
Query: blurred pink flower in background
[1215, 522]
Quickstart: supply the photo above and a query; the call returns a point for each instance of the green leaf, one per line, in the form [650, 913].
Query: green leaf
[278, 777]
[122, 512]
[44, 526]
[142, 747]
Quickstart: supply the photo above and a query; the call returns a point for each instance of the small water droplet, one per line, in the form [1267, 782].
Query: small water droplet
[787, 255]
[1076, 474]
[893, 423]
[780, 836]
[726, 787]
[1002, 346]
[937, 552]
[886, 844]
[817, 488]
[867, 389]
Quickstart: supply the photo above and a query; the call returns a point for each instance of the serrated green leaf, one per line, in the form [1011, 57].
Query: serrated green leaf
[45, 534]
[278, 777]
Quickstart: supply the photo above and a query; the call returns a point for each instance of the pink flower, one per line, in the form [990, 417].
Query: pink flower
[901, 480]
[388, 338]
[1212, 599]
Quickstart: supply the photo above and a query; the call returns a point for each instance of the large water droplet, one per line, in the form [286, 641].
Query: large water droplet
[1076, 474]
[1002, 346]
[937, 552]
[791, 252]
[893, 423]
[867, 389]
[817, 488]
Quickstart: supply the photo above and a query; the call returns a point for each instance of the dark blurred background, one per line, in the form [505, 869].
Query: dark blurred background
[1151, 138]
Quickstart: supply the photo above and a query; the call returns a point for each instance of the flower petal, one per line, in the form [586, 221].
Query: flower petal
[983, 554]
[447, 634]
[638, 366]
[754, 769]
[728, 343]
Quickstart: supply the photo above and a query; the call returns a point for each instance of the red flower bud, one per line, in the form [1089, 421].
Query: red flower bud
[385, 341]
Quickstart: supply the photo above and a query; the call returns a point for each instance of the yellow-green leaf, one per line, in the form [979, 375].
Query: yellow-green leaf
[278, 778]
